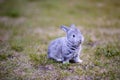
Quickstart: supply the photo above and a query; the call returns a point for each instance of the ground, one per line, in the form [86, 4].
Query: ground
[28, 26]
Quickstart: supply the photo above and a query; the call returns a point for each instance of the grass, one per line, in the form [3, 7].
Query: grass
[108, 50]
[27, 27]
[13, 13]
[17, 48]
[39, 59]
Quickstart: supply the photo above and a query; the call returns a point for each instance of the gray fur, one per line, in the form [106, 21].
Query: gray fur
[66, 48]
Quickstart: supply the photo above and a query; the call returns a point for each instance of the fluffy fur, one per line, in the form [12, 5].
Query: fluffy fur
[66, 48]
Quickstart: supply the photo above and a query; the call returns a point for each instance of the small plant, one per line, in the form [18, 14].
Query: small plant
[62, 75]
[13, 13]
[64, 66]
[17, 48]
[38, 59]
[17, 45]
[5, 55]
[108, 50]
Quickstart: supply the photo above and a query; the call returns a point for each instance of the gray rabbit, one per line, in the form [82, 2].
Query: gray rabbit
[66, 48]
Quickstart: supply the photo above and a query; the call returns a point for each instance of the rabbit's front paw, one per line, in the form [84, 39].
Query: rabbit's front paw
[78, 61]
[59, 60]
[66, 62]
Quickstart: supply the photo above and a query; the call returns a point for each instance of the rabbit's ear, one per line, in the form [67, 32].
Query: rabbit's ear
[64, 28]
[72, 25]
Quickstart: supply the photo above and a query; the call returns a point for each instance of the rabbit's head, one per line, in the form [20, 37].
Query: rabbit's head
[73, 35]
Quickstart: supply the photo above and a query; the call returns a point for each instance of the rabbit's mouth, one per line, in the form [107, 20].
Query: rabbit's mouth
[80, 42]
[73, 43]
[77, 44]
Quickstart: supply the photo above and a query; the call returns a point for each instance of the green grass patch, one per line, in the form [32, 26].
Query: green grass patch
[11, 8]
[65, 66]
[14, 13]
[5, 55]
[17, 48]
[63, 75]
[40, 59]
[108, 50]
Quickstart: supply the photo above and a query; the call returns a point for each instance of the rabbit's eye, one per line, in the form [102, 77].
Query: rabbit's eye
[73, 35]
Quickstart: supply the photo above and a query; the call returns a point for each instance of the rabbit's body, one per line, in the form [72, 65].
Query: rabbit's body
[64, 49]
